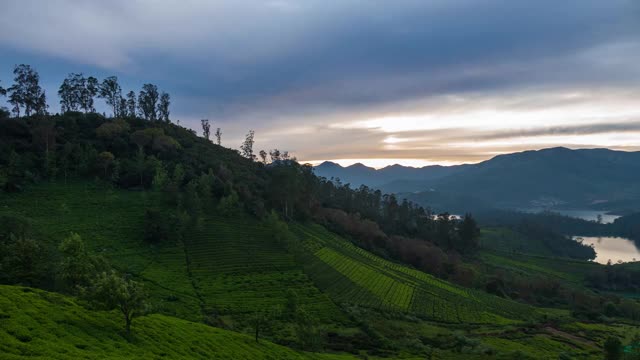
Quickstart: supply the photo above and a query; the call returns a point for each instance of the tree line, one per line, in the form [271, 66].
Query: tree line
[78, 93]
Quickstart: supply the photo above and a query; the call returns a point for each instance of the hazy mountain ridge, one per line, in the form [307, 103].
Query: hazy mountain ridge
[548, 178]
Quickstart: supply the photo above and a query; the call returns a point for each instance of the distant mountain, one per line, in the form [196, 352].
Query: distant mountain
[405, 176]
[548, 178]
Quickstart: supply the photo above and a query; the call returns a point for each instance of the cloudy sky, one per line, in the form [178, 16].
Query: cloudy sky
[380, 82]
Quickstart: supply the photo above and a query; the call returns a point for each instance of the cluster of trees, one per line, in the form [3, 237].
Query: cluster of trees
[77, 93]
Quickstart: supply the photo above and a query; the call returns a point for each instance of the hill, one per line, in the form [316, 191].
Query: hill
[543, 178]
[42, 325]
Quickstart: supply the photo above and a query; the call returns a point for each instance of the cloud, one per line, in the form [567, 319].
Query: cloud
[280, 65]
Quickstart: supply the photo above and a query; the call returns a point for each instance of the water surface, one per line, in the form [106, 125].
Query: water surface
[611, 248]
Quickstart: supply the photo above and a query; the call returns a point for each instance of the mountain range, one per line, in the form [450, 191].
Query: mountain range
[548, 178]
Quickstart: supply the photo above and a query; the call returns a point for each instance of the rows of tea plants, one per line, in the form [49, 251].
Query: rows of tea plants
[353, 275]
[238, 268]
[111, 223]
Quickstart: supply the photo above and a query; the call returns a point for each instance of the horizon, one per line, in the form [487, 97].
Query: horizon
[413, 83]
[388, 162]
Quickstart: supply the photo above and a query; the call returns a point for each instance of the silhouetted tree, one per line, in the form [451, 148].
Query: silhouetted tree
[111, 92]
[218, 136]
[89, 91]
[148, 102]
[206, 128]
[246, 148]
[263, 156]
[163, 107]
[70, 98]
[131, 104]
[275, 155]
[26, 91]
[3, 91]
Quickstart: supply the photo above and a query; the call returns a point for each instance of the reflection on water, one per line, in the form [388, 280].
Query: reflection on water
[611, 248]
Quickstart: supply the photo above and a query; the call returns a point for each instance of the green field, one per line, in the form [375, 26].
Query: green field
[42, 325]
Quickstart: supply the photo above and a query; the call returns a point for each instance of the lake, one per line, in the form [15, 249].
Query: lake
[611, 248]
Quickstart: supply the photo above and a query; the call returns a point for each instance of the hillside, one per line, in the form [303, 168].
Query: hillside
[41, 325]
[235, 269]
[548, 177]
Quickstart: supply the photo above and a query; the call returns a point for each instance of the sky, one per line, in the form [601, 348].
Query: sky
[414, 82]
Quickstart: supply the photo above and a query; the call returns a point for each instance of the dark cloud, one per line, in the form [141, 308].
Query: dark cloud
[250, 64]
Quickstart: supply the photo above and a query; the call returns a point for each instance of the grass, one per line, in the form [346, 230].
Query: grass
[42, 325]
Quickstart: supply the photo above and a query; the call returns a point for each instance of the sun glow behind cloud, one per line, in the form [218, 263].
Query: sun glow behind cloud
[488, 125]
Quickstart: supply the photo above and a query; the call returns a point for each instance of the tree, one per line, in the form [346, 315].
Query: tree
[77, 92]
[105, 160]
[218, 136]
[76, 266]
[89, 91]
[3, 91]
[69, 100]
[23, 260]
[148, 102]
[612, 348]
[275, 155]
[111, 92]
[117, 292]
[306, 331]
[247, 146]
[263, 156]
[131, 104]
[468, 233]
[206, 127]
[163, 107]
[26, 92]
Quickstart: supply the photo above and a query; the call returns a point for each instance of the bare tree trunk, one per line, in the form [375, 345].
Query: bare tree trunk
[127, 320]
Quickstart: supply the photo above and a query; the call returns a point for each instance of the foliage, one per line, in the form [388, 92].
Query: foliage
[76, 267]
[111, 290]
[246, 149]
[26, 92]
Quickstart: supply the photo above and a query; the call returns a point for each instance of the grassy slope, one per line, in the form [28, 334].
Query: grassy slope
[111, 224]
[236, 268]
[39, 324]
[353, 275]
[233, 259]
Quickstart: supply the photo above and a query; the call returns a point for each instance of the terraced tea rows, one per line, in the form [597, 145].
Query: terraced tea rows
[239, 269]
[353, 275]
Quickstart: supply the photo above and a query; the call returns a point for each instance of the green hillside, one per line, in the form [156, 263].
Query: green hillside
[238, 268]
[353, 275]
[42, 325]
[235, 269]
